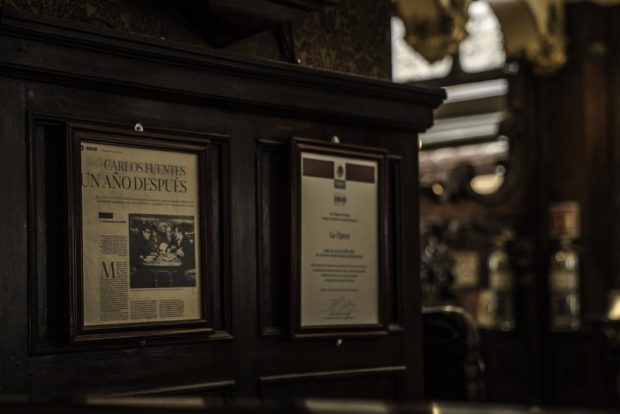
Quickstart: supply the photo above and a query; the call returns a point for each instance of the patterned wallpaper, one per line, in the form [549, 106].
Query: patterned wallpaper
[351, 37]
[154, 18]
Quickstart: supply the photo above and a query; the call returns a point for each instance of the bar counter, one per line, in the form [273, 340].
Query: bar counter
[187, 405]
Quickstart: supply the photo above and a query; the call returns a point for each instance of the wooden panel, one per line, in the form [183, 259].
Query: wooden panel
[227, 22]
[395, 244]
[578, 370]
[221, 390]
[273, 265]
[614, 102]
[14, 259]
[504, 355]
[139, 82]
[374, 383]
[48, 199]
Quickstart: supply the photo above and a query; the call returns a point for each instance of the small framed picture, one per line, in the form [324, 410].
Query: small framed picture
[139, 236]
[338, 240]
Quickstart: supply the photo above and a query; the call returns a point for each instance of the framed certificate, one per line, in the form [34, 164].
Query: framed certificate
[338, 239]
[139, 247]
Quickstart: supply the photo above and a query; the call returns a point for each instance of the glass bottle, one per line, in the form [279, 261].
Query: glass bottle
[501, 284]
[564, 288]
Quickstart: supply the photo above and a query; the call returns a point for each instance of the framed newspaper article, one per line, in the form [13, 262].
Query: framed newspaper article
[338, 240]
[139, 245]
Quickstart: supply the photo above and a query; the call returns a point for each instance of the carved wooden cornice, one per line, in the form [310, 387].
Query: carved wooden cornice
[224, 22]
[60, 52]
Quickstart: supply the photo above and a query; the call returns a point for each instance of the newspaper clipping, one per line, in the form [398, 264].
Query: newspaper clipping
[140, 235]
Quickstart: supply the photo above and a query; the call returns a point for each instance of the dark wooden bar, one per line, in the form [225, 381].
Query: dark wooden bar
[54, 74]
[17, 404]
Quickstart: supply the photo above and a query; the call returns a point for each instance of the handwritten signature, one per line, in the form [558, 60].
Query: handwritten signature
[341, 307]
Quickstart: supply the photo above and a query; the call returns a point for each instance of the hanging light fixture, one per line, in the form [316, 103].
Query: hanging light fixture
[434, 28]
[532, 29]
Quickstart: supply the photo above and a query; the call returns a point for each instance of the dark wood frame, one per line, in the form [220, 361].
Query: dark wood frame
[196, 144]
[297, 146]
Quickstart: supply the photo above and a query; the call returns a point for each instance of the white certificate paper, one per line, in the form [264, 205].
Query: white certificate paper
[339, 241]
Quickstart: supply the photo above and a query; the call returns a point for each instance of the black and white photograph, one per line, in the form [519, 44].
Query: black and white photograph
[162, 251]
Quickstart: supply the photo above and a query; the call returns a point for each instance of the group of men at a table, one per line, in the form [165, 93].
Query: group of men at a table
[151, 244]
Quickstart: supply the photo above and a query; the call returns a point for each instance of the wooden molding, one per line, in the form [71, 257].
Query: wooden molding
[63, 53]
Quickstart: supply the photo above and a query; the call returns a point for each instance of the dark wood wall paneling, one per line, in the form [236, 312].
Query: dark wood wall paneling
[51, 74]
[351, 36]
[14, 290]
[377, 383]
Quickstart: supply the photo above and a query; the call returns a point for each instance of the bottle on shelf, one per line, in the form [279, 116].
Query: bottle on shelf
[501, 284]
[564, 288]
